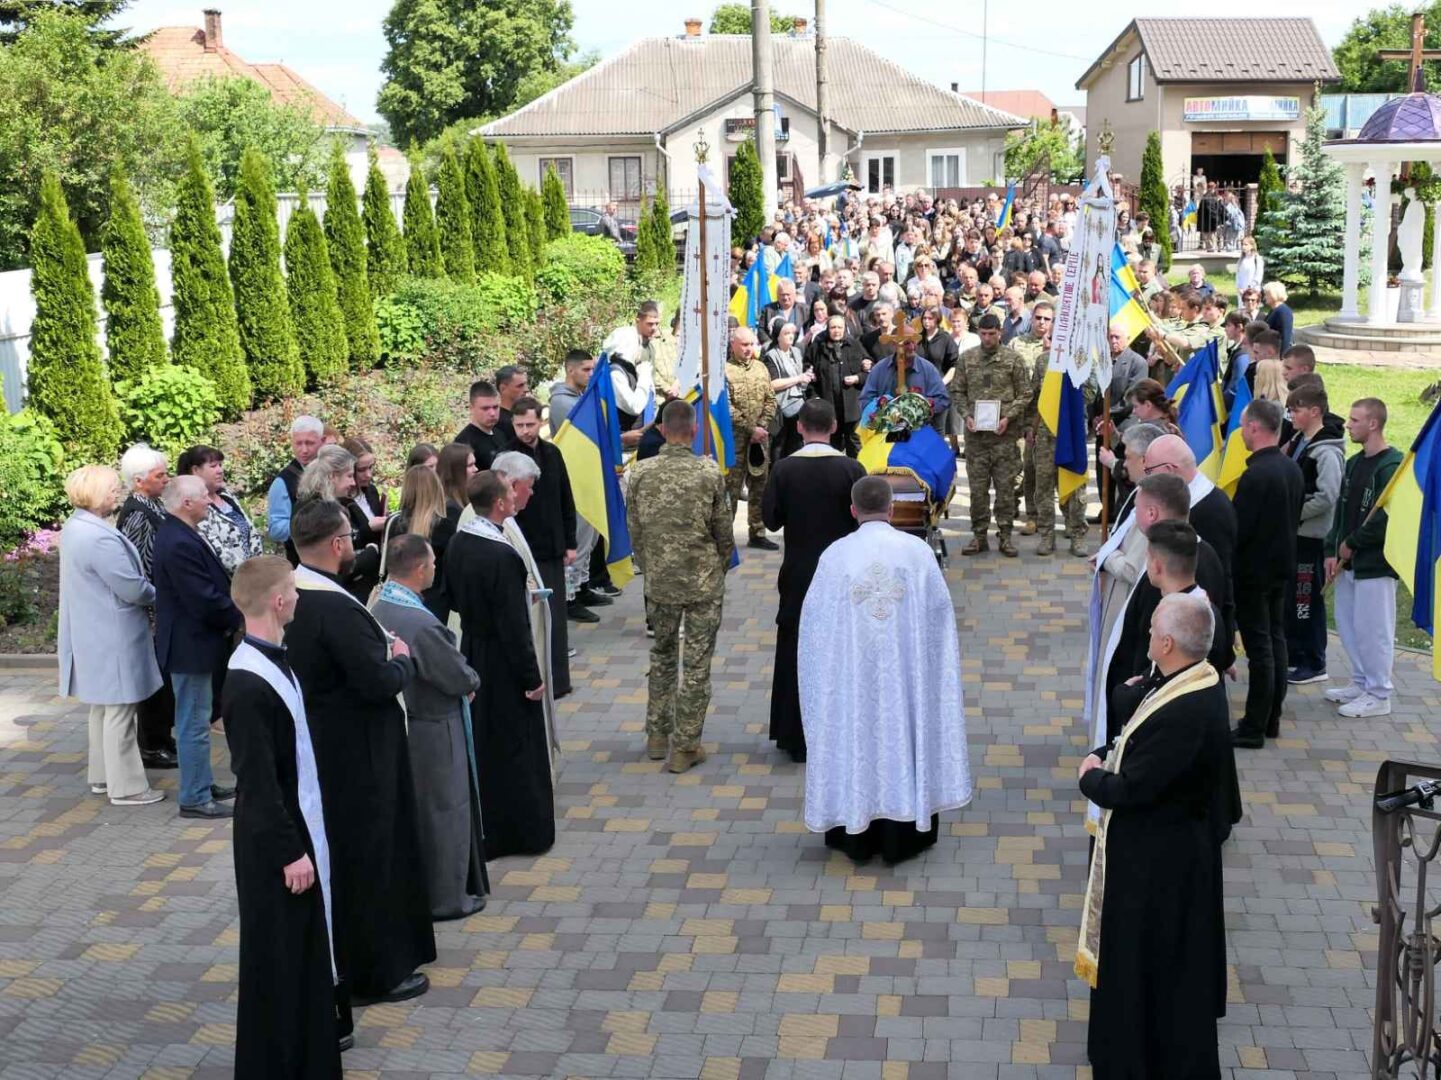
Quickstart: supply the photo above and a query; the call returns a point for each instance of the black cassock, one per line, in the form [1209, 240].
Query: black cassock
[381, 909]
[485, 581]
[289, 1017]
[809, 496]
[1161, 979]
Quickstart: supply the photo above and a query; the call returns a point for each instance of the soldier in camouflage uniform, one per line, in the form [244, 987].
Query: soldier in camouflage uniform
[753, 404]
[680, 533]
[1041, 450]
[991, 372]
[1031, 346]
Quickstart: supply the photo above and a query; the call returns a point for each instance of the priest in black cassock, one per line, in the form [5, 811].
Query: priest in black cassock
[1153, 937]
[486, 584]
[291, 1021]
[808, 496]
[352, 674]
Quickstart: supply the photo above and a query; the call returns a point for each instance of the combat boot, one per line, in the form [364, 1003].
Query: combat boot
[976, 546]
[1078, 548]
[1008, 547]
[681, 760]
[1029, 528]
[1048, 543]
[656, 747]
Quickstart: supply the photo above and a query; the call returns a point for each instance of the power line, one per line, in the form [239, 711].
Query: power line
[1025, 47]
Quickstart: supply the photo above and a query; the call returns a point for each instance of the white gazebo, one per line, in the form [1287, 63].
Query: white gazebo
[1404, 129]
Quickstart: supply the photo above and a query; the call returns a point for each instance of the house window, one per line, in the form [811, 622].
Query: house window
[626, 183]
[783, 168]
[880, 173]
[564, 168]
[947, 167]
[1136, 78]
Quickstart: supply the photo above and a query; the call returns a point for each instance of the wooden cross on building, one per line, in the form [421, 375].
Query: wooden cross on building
[1417, 55]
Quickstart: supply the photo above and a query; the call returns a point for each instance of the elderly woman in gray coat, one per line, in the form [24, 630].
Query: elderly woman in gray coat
[107, 657]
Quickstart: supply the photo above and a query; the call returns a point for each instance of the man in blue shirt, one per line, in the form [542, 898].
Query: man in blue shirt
[921, 376]
[306, 434]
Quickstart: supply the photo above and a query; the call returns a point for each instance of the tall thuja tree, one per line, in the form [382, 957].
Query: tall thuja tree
[512, 205]
[422, 244]
[384, 246]
[452, 221]
[261, 307]
[206, 335]
[346, 239]
[67, 377]
[664, 234]
[1312, 250]
[645, 255]
[557, 210]
[746, 193]
[314, 307]
[535, 225]
[1153, 198]
[482, 189]
[134, 335]
[1272, 216]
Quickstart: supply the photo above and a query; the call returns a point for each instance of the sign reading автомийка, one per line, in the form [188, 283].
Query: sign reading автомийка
[1241, 107]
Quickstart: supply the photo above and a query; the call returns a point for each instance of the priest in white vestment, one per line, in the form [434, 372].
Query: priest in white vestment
[880, 688]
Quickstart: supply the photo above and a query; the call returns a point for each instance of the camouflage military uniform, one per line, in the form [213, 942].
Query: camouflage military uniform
[1041, 496]
[753, 403]
[1196, 335]
[991, 458]
[1029, 347]
[680, 532]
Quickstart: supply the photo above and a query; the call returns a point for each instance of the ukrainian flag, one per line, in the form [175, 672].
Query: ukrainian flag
[1062, 406]
[722, 441]
[1007, 208]
[589, 441]
[1188, 215]
[1412, 501]
[925, 454]
[749, 297]
[1235, 455]
[1128, 314]
[784, 269]
[1197, 389]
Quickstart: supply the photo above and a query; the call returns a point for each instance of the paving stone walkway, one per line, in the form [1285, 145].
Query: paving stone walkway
[690, 927]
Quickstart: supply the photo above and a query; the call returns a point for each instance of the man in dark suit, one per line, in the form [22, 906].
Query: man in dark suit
[784, 308]
[195, 621]
[1268, 508]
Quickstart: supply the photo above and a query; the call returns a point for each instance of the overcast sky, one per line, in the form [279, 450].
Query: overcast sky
[338, 44]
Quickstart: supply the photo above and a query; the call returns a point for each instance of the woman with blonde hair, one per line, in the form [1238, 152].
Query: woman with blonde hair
[424, 511]
[1250, 268]
[332, 476]
[1270, 381]
[106, 653]
[1278, 314]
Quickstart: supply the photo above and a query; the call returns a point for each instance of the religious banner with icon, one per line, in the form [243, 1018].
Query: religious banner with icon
[1079, 338]
[714, 261]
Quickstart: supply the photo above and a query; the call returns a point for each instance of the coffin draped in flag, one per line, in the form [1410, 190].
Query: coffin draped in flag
[924, 453]
[589, 441]
[1412, 501]
[1197, 390]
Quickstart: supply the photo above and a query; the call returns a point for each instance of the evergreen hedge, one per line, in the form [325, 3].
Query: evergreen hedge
[482, 190]
[67, 378]
[746, 193]
[512, 205]
[384, 246]
[664, 233]
[134, 335]
[535, 225]
[345, 238]
[422, 245]
[557, 211]
[263, 315]
[452, 221]
[314, 307]
[645, 253]
[1154, 199]
[206, 335]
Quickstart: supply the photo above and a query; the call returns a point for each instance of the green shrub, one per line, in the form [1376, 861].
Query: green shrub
[32, 463]
[134, 336]
[535, 225]
[512, 206]
[345, 239]
[314, 308]
[261, 308]
[482, 191]
[446, 324]
[452, 221]
[557, 210]
[384, 246]
[579, 263]
[422, 242]
[170, 408]
[747, 193]
[402, 330]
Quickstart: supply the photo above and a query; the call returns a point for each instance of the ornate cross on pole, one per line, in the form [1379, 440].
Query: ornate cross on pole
[1417, 55]
[901, 334]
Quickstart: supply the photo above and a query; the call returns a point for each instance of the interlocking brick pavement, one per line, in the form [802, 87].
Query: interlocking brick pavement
[689, 926]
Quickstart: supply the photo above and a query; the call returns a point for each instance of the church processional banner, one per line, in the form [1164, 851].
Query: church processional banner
[1079, 340]
[715, 261]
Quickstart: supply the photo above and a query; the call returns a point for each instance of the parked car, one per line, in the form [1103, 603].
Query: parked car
[584, 219]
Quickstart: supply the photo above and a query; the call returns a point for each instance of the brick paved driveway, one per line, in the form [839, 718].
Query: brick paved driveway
[690, 927]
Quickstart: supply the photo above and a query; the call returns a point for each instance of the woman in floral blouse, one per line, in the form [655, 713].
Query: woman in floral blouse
[226, 527]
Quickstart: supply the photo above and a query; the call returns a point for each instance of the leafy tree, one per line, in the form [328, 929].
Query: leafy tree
[664, 232]
[266, 336]
[736, 19]
[206, 335]
[452, 221]
[67, 377]
[1153, 198]
[1310, 251]
[310, 285]
[449, 59]
[422, 244]
[75, 108]
[645, 257]
[17, 15]
[1272, 222]
[384, 246]
[134, 334]
[535, 225]
[234, 114]
[482, 189]
[512, 205]
[1025, 147]
[746, 193]
[557, 210]
[1385, 28]
[346, 239]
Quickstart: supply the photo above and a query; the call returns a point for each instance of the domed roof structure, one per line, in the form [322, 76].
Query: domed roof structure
[1407, 119]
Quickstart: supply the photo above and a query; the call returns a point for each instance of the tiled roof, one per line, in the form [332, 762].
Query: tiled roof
[180, 54]
[659, 82]
[1228, 50]
[1027, 104]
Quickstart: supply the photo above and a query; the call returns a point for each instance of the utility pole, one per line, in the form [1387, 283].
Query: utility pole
[823, 140]
[985, 35]
[762, 83]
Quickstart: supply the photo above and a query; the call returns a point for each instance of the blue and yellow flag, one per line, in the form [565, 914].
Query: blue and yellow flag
[1128, 314]
[1188, 215]
[1235, 455]
[1412, 501]
[925, 454]
[589, 441]
[1007, 208]
[1197, 390]
[751, 294]
[1062, 406]
[722, 441]
[784, 269]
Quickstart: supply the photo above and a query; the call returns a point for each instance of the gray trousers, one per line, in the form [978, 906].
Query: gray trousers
[1366, 624]
[114, 753]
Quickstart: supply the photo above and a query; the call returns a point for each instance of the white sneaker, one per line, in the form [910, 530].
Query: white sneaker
[144, 798]
[97, 789]
[1343, 694]
[1366, 705]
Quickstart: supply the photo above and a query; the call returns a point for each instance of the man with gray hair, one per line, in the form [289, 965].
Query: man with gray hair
[306, 434]
[1162, 978]
[195, 620]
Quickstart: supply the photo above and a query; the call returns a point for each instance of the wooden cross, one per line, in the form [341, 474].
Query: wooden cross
[901, 334]
[1417, 55]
